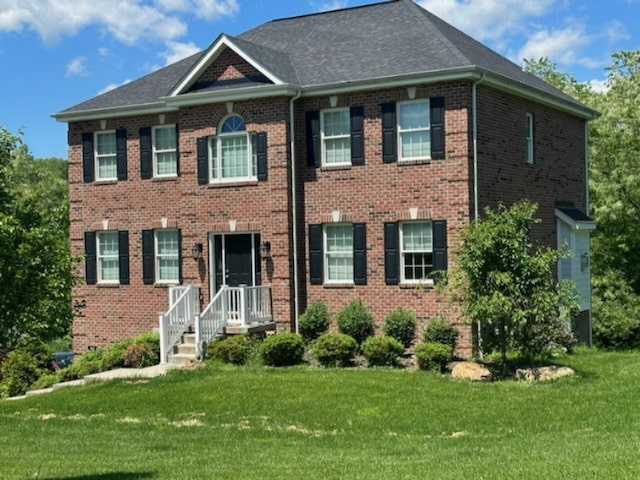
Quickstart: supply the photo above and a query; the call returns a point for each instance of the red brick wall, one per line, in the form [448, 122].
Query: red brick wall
[229, 66]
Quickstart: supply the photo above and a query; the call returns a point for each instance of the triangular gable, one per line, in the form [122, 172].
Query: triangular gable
[224, 61]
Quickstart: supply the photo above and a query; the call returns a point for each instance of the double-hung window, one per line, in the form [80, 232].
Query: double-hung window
[233, 152]
[529, 138]
[338, 253]
[414, 133]
[108, 257]
[336, 137]
[167, 249]
[165, 163]
[416, 251]
[105, 156]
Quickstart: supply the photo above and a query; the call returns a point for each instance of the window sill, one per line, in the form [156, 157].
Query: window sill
[426, 285]
[166, 284]
[338, 285]
[172, 178]
[238, 183]
[108, 285]
[106, 182]
[420, 161]
[331, 168]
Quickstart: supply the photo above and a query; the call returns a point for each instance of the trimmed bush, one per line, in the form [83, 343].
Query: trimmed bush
[314, 321]
[151, 341]
[138, 355]
[47, 380]
[433, 356]
[401, 325]
[282, 349]
[83, 365]
[334, 350]
[356, 321]
[112, 355]
[440, 331]
[382, 351]
[23, 366]
[235, 350]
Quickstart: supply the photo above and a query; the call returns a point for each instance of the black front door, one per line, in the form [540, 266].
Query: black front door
[235, 260]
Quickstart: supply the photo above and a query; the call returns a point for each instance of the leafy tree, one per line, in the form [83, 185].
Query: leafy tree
[508, 286]
[36, 271]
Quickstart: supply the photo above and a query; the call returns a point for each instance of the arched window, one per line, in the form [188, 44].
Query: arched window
[233, 152]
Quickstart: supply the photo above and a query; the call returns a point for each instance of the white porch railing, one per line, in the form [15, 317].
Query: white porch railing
[183, 307]
[241, 305]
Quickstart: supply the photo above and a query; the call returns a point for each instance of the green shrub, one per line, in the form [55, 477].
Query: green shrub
[334, 349]
[138, 355]
[356, 321]
[151, 341]
[47, 380]
[401, 325]
[440, 331]
[235, 350]
[382, 351]
[433, 355]
[112, 354]
[314, 321]
[282, 349]
[83, 365]
[23, 366]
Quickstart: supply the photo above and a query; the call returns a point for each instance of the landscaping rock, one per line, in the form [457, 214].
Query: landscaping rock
[543, 374]
[472, 371]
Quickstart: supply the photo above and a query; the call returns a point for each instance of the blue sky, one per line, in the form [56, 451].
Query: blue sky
[57, 53]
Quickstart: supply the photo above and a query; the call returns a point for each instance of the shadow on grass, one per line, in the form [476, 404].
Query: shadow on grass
[107, 476]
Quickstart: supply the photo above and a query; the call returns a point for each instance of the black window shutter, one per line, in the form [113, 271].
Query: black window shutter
[121, 153]
[391, 253]
[262, 156]
[203, 160]
[315, 254]
[88, 165]
[146, 163]
[439, 247]
[123, 256]
[313, 138]
[91, 276]
[357, 135]
[148, 258]
[177, 150]
[436, 105]
[180, 256]
[389, 133]
[360, 253]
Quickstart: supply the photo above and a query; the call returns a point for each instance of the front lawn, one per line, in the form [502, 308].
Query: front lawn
[308, 423]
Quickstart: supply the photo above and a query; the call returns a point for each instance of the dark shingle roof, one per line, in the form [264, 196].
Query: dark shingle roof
[378, 41]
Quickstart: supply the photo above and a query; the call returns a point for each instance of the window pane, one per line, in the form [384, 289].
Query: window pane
[235, 156]
[168, 270]
[340, 238]
[414, 115]
[233, 124]
[337, 150]
[339, 256]
[108, 242]
[416, 144]
[107, 167]
[167, 255]
[416, 236]
[106, 143]
[108, 262]
[337, 122]
[417, 266]
[340, 266]
[165, 138]
[166, 163]
[167, 242]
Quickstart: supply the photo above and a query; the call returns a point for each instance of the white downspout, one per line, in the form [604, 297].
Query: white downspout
[476, 212]
[587, 208]
[294, 210]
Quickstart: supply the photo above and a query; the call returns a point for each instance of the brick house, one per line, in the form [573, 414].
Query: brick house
[328, 156]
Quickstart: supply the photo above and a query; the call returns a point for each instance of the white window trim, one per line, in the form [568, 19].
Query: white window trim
[400, 131]
[529, 138]
[157, 257]
[215, 146]
[100, 257]
[403, 279]
[98, 156]
[324, 137]
[325, 252]
[158, 151]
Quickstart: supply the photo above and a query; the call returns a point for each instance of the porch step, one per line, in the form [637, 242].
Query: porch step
[185, 351]
[181, 358]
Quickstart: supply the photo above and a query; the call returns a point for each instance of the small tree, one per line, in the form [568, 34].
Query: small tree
[508, 286]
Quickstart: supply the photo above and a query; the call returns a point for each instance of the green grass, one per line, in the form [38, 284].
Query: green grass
[308, 423]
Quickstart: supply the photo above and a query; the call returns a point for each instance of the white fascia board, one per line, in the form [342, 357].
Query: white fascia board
[575, 225]
[235, 94]
[118, 112]
[212, 54]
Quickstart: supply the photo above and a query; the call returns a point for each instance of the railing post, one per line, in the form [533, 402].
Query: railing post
[244, 304]
[224, 307]
[198, 330]
[163, 340]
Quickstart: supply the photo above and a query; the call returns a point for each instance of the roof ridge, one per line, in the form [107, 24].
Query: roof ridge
[384, 2]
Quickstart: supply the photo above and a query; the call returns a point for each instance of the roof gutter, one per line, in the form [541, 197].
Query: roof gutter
[294, 209]
[117, 112]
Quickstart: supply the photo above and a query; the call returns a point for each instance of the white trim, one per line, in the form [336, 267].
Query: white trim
[214, 144]
[154, 151]
[323, 138]
[400, 131]
[156, 256]
[212, 257]
[325, 254]
[402, 251]
[581, 225]
[214, 51]
[100, 257]
[98, 156]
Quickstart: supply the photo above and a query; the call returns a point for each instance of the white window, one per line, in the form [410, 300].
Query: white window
[108, 258]
[416, 244]
[529, 137]
[414, 133]
[167, 256]
[338, 250]
[165, 162]
[106, 161]
[233, 152]
[336, 137]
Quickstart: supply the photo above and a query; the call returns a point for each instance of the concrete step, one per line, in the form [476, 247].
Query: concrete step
[189, 338]
[181, 358]
[185, 348]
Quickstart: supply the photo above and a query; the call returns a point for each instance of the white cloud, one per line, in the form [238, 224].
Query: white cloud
[561, 46]
[488, 19]
[113, 86]
[600, 86]
[330, 5]
[104, 52]
[77, 67]
[177, 51]
[126, 20]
